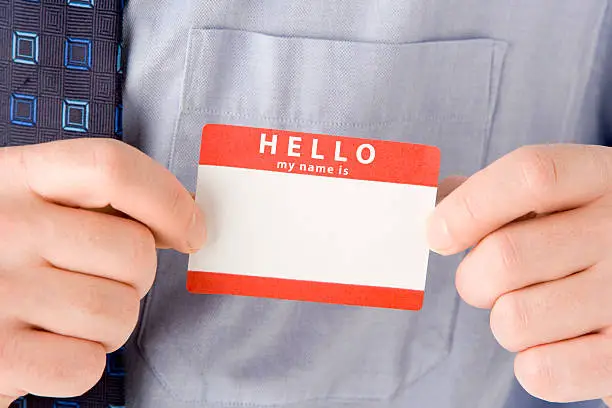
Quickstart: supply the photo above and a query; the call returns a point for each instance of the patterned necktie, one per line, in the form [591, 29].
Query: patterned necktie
[61, 74]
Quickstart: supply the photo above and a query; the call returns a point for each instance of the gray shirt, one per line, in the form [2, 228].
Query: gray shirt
[477, 78]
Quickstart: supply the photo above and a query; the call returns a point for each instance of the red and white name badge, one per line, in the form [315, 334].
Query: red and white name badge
[311, 217]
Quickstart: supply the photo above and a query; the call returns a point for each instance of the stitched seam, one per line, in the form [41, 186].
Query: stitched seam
[188, 63]
[407, 119]
[495, 88]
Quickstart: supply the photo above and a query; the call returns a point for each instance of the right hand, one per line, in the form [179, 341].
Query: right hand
[72, 276]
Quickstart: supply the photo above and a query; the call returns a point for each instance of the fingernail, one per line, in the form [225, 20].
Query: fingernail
[438, 235]
[196, 236]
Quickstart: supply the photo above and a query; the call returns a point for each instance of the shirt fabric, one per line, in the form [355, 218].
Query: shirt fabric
[477, 78]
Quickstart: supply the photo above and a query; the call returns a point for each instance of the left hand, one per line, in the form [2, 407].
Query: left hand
[548, 278]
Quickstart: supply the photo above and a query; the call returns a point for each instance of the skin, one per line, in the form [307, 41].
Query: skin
[547, 276]
[84, 219]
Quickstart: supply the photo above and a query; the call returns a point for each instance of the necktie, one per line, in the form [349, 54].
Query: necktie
[60, 78]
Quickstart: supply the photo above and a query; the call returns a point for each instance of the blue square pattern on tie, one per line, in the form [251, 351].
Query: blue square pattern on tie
[23, 110]
[119, 58]
[77, 54]
[115, 365]
[21, 403]
[119, 120]
[25, 47]
[81, 3]
[75, 116]
[66, 404]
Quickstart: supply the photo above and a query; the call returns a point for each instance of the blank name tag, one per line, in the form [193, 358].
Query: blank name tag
[316, 218]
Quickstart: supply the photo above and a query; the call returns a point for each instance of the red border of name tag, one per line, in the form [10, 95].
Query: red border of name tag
[239, 147]
[395, 162]
[355, 295]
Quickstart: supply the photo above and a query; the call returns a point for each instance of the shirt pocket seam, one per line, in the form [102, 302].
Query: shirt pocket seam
[363, 125]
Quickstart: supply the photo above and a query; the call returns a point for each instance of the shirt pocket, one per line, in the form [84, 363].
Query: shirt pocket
[261, 352]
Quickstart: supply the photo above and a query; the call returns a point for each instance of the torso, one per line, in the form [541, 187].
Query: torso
[477, 78]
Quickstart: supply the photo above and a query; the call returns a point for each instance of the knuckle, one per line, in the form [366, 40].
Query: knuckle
[11, 292]
[4, 156]
[472, 286]
[114, 306]
[83, 372]
[507, 255]
[510, 322]
[605, 360]
[600, 232]
[600, 165]
[117, 306]
[536, 374]
[13, 160]
[7, 222]
[470, 209]
[16, 226]
[7, 356]
[487, 271]
[108, 159]
[92, 302]
[7, 288]
[143, 257]
[128, 319]
[538, 170]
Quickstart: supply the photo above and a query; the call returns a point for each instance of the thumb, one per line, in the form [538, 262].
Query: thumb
[448, 185]
[608, 401]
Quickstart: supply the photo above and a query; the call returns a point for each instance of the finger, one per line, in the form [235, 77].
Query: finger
[95, 173]
[573, 370]
[5, 402]
[608, 401]
[75, 305]
[553, 311]
[539, 178]
[9, 391]
[448, 185]
[111, 211]
[51, 365]
[519, 254]
[96, 244]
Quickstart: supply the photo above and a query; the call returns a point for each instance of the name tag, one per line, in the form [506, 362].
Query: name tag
[316, 218]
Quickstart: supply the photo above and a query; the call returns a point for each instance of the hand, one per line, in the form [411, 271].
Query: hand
[548, 278]
[71, 279]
